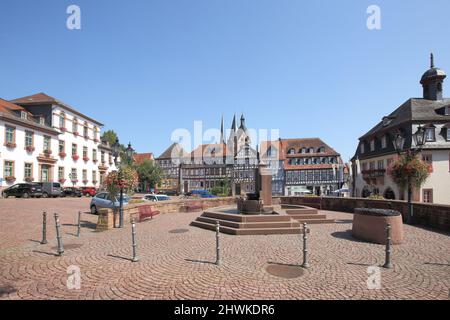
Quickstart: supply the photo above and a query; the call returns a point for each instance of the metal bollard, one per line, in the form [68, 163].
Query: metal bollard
[44, 228]
[58, 236]
[217, 243]
[133, 240]
[305, 246]
[388, 264]
[79, 224]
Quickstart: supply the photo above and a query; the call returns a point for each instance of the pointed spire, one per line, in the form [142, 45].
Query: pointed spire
[432, 60]
[222, 137]
[242, 122]
[233, 125]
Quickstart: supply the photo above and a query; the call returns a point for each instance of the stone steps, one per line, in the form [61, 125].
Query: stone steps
[308, 216]
[248, 231]
[251, 225]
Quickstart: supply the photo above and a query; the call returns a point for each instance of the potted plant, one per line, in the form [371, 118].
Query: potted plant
[29, 179]
[30, 148]
[10, 144]
[63, 129]
[86, 159]
[75, 157]
[47, 152]
[62, 154]
[85, 181]
[10, 178]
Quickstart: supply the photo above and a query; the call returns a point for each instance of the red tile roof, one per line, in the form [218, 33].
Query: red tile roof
[7, 107]
[140, 157]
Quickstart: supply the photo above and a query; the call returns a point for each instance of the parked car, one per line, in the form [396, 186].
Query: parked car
[23, 190]
[88, 191]
[203, 193]
[156, 197]
[50, 189]
[71, 192]
[102, 200]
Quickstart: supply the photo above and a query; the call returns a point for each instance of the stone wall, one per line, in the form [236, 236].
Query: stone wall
[425, 214]
[106, 216]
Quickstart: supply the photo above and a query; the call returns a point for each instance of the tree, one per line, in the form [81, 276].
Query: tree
[222, 189]
[149, 173]
[110, 136]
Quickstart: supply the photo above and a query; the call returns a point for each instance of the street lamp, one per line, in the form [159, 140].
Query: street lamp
[399, 141]
[116, 154]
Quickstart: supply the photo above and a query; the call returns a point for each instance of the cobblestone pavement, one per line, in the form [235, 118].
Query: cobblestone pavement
[181, 265]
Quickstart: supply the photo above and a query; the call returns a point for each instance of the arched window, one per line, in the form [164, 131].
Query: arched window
[389, 194]
[321, 150]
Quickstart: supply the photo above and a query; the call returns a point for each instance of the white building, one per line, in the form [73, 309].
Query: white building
[376, 152]
[45, 140]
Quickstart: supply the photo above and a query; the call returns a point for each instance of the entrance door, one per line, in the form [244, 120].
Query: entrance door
[45, 173]
[238, 189]
[186, 186]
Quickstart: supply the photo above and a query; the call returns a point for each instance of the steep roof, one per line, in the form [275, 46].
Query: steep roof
[140, 157]
[205, 150]
[414, 109]
[175, 150]
[7, 107]
[42, 98]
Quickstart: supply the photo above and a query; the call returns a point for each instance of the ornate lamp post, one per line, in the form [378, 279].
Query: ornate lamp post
[116, 153]
[399, 142]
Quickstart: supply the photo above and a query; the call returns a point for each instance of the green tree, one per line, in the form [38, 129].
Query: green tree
[222, 189]
[110, 136]
[150, 174]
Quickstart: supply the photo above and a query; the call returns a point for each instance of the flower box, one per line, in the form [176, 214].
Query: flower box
[95, 182]
[10, 144]
[86, 159]
[86, 137]
[63, 129]
[95, 160]
[62, 154]
[96, 140]
[47, 153]
[30, 148]
[61, 180]
[85, 181]
[76, 134]
[75, 157]
[74, 181]
[10, 179]
[29, 179]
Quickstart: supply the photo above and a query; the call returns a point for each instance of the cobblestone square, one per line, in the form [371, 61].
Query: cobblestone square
[180, 265]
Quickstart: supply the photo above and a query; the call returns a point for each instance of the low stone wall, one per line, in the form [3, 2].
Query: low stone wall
[425, 214]
[106, 216]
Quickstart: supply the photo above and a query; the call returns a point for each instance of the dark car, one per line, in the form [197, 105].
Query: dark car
[71, 192]
[23, 190]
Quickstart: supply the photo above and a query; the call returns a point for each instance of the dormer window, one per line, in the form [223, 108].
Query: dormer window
[361, 148]
[430, 134]
[447, 111]
[23, 115]
[321, 150]
[311, 150]
[42, 120]
[372, 145]
[386, 121]
[303, 150]
[383, 142]
[291, 151]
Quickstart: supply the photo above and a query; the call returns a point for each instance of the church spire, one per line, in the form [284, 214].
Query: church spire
[222, 137]
[432, 60]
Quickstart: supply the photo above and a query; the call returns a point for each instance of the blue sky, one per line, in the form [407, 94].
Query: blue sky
[146, 68]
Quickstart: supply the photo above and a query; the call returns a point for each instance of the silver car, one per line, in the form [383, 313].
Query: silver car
[102, 200]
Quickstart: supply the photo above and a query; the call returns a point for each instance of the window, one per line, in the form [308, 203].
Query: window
[94, 154]
[10, 134]
[47, 143]
[85, 131]
[428, 195]
[447, 136]
[61, 147]
[62, 121]
[28, 170]
[85, 152]
[23, 115]
[291, 151]
[447, 111]
[94, 176]
[75, 126]
[428, 158]
[103, 157]
[389, 162]
[74, 174]
[372, 165]
[383, 142]
[8, 170]
[95, 133]
[372, 145]
[74, 149]
[430, 135]
[311, 150]
[28, 138]
[361, 147]
[380, 164]
[42, 120]
[364, 166]
[84, 175]
[60, 173]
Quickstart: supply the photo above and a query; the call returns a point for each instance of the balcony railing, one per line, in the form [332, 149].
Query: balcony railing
[374, 173]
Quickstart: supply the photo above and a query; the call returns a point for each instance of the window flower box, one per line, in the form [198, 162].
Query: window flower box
[47, 152]
[86, 137]
[63, 129]
[74, 181]
[95, 182]
[10, 145]
[95, 161]
[86, 159]
[29, 179]
[76, 134]
[61, 180]
[96, 140]
[85, 181]
[62, 154]
[10, 179]
[75, 157]
[30, 148]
